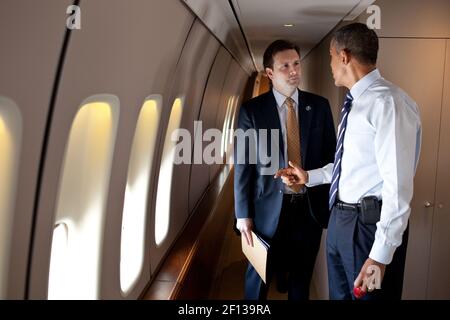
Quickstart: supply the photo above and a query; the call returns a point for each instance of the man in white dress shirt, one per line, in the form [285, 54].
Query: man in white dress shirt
[372, 175]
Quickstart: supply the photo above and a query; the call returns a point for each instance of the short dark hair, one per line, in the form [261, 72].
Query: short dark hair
[274, 48]
[357, 39]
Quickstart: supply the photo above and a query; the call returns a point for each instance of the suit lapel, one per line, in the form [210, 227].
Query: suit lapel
[305, 112]
[270, 114]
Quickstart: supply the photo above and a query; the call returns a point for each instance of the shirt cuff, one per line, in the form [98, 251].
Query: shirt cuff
[315, 177]
[382, 253]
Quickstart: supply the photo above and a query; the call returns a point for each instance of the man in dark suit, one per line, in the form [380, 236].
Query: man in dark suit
[299, 127]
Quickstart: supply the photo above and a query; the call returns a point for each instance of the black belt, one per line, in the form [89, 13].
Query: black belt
[294, 197]
[350, 206]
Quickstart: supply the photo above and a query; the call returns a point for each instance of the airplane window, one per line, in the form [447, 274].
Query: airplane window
[135, 203]
[162, 213]
[233, 118]
[10, 144]
[58, 260]
[233, 111]
[81, 203]
[226, 124]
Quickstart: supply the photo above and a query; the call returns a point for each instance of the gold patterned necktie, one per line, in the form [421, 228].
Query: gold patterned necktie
[293, 138]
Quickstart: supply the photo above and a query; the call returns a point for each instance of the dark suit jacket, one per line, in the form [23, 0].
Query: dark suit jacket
[260, 196]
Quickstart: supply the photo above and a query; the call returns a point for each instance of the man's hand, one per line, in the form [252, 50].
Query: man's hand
[292, 175]
[370, 276]
[245, 226]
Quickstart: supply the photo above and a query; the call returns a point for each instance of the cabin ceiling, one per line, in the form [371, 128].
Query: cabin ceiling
[263, 21]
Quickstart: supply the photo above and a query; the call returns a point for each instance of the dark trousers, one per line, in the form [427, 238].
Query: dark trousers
[293, 250]
[349, 242]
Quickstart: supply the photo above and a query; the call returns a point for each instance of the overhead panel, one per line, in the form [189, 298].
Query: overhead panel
[219, 18]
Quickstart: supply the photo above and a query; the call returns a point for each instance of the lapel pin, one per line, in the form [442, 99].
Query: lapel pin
[308, 108]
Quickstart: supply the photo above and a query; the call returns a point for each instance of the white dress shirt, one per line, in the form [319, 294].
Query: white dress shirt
[381, 151]
[282, 113]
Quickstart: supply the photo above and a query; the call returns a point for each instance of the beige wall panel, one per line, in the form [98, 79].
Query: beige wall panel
[335, 95]
[190, 81]
[31, 37]
[200, 172]
[439, 277]
[310, 65]
[413, 18]
[400, 62]
[233, 86]
[317, 78]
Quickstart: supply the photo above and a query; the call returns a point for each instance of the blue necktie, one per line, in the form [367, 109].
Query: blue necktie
[339, 150]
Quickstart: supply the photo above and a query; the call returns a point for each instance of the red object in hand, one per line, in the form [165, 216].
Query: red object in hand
[358, 292]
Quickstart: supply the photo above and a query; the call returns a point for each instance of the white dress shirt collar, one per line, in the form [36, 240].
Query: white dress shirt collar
[280, 98]
[362, 84]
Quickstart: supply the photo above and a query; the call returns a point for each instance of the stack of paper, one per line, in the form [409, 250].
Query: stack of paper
[256, 255]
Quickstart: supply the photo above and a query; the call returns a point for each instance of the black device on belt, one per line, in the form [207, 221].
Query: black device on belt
[369, 209]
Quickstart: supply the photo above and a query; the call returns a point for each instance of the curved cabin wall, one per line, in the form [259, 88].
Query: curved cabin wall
[189, 85]
[131, 52]
[31, 39]
[124, 52]
[211, 99]
[233, 86]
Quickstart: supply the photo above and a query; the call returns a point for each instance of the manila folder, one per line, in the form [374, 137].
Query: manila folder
[256, 255]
